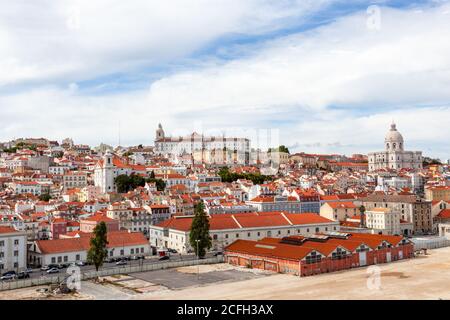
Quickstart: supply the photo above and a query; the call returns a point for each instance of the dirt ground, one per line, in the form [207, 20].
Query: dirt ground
[424, 277]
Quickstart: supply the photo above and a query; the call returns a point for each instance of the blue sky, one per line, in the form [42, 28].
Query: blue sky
[317, 72]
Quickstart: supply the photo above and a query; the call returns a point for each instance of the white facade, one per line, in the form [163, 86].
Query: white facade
[105, 172]
[179, 239]
[394, 156]
[13, 250]
[384, 220]
[196, 142]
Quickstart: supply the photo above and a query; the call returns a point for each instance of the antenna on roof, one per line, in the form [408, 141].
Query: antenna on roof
[119, 134]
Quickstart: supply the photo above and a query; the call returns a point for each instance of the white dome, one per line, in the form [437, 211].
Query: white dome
[393, 140]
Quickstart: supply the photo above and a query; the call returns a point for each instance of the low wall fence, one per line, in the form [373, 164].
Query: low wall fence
[434, 243]
[91, 274]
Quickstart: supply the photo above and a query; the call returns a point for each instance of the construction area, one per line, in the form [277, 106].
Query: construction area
[424, 277]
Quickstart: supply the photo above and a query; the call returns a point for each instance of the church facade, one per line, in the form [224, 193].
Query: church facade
[195, 143]
[394, 156]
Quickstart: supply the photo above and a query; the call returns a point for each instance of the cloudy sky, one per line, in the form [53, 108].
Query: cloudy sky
[322, 75]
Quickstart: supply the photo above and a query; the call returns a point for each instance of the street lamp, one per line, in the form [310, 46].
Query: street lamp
[198, 261]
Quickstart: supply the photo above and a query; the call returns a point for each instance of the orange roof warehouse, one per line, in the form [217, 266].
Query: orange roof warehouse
[320, 253]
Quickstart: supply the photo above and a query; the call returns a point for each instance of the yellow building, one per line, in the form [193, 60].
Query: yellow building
[438, 193]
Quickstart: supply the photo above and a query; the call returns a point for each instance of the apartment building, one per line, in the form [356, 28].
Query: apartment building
[13, 249]
[383, 220]
[411, 208]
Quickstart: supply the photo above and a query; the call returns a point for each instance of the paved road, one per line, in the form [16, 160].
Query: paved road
[37, 273]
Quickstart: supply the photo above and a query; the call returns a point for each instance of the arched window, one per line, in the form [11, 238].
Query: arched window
[394, 145]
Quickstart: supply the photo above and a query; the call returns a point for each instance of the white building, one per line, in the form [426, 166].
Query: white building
[196, 142]
[383, 220]
[74, 179]
[120, 244]
[21, 187]
[13, 249]
[394, 156]
[226, 228]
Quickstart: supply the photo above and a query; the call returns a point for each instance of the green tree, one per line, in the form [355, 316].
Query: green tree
[126, 183]
[97, 251]
[123, 183]
[281, 148]
[199, 237]
[45, 197]
[256, 178]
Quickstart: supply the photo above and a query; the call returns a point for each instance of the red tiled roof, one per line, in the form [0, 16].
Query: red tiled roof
[115, 239]
[444, 214]
[99, 218]
[274, 250]
[246, 220]
[342, 205]
[4, 229]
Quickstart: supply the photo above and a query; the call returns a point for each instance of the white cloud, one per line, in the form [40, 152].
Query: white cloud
[80, 39]
[291, 83]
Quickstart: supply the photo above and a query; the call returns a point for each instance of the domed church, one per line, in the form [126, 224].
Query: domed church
[394, 156]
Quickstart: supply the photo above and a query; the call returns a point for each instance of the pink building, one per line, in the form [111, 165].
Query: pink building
[88, 224]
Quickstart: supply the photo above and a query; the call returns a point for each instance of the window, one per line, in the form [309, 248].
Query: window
[313, 257]
[2, 254]
[142, 250]
[2, 243]
[77, 257]
[16, 242]
[132, 251]
[16, 253]
[53, 260]
[317, 229]
[237, 235]
[249, 234]
[339, 254]
[121, 252]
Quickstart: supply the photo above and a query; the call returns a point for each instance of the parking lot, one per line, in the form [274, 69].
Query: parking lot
[176, 279]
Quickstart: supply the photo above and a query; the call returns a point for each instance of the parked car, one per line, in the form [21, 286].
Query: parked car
[172, 250]
[141, 257]
[23, 275]
[9, 272]
[134, 258]
[164, 258]
[29, 270]
[80, 263]
[53, 270]
[219, 253]
[121, 263]
[45, 268]
[9, 276]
